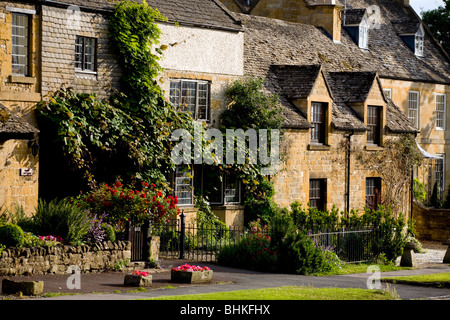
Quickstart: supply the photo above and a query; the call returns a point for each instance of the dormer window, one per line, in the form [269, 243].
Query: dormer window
[357, 25]
[412, 34]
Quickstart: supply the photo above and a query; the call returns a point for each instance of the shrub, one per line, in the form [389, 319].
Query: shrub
[11, 235]
[62, 218]
[110, 233]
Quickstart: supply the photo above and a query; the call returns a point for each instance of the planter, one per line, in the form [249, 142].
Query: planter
[134, 280]
[191, 276]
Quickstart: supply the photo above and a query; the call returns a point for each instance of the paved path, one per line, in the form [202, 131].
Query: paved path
[236, 279]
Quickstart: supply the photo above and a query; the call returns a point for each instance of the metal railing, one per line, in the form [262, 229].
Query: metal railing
[351, 246]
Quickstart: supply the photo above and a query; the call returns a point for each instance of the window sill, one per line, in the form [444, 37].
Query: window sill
[373, 148]
[89, 75]
[227, 206]
[22, 79]
[319, 147]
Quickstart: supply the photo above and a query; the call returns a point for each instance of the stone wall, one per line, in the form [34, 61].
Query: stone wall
[60, 27]
[431, 224]
[56, 260]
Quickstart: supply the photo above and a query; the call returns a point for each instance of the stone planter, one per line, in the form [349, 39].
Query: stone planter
[134, 280]
[191, 277]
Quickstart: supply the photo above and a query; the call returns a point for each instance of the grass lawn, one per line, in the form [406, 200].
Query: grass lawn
[439, 280]
[360, 268]
[289, 293]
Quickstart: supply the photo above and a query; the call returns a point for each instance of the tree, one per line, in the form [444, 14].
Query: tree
[438, 20]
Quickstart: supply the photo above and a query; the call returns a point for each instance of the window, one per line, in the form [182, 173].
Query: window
[388, 93]
[419, 42]
[373, 193]
[317, 194]
[413, 108]
[439, 173]
[221, 189]
[318, 111]
[373, 123]
[184, 185]
[441, 101]
[85, 54]
[364, 34]
[20, 44]
[191, 96]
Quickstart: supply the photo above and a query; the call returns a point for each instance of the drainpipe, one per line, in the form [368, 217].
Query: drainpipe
[412, 186]
[347, 194]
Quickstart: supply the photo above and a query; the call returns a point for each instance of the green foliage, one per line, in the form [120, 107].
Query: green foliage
[259, 204]
[250, 107]
[109, 230]
[438, 20]
[11, 235]
[312, 219]
[435, 200]
[446, 203]
[61, 218]
[130, 134]
[419, 191]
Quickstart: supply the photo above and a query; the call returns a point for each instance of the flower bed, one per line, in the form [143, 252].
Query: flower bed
[191, 274]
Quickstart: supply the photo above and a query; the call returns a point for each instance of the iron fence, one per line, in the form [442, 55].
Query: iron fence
[179, 240]
[351, 246]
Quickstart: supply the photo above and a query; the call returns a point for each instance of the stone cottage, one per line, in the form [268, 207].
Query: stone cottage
[381, 74]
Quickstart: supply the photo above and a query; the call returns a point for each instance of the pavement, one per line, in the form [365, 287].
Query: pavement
[109, 286]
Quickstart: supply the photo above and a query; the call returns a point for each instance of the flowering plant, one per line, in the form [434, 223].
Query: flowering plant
[188, 268]
[122, 203]
[140, 273]
[51, 238]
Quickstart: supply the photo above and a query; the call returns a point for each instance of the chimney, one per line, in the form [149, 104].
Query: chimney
[328, 16]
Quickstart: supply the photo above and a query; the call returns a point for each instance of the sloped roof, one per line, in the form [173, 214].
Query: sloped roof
[205, 13]
[296, 82]
[406, 27]
[354, 16]
[12, 127]
[351, 87]
[396, 120]
[345, 118]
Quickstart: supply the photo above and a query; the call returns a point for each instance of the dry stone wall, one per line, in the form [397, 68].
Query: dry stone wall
[56, 260]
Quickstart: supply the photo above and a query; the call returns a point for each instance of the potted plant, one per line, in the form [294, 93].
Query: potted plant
[191, 274]
[138, 279]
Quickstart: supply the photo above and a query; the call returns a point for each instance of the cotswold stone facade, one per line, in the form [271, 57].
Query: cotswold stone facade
[19, 93]
[60, 29]
[379, 37]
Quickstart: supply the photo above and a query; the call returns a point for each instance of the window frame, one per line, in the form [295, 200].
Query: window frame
[419, 39]
[222, 190]
[176, 192]
[440, 175]
[374, 133]
[416, 121]
[319, 196]
[443, 111]
[26, 46]
[83, 53]
[177, 99]
[319, 130]
[375, 183]
[388, 93]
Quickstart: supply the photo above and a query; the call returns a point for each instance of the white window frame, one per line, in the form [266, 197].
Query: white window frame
[440, 173]
[363, 42]
[81, 49]
[419, 42]
[20, 61]
[181, 186]
[177, 97]
[442, 111]
[388, 93]
[414, 108]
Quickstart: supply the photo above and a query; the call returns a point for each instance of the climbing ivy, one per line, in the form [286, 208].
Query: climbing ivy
[129, 134]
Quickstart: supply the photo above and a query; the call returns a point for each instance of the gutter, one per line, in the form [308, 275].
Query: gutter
[347, 193]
